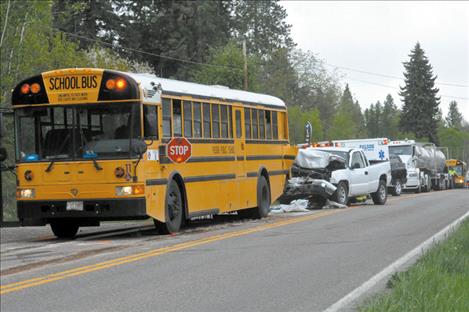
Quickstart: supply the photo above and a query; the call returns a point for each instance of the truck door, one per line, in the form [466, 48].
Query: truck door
[359, 175]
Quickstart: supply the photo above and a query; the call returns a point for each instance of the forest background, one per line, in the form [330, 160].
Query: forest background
[201, 41]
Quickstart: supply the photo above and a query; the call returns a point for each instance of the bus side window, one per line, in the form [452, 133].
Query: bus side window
[275, 125]
[187, 119]
[166, 118]
[230, 121]
[238, 124]
[262, 124]
[177, 122]
[150, 122]
[197, 120]
[268, 123]
[224, 121]
[247, 123]
[255, 133]
[215, 121]
[206, 111]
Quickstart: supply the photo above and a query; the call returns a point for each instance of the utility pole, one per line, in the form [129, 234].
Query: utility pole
[245, 66]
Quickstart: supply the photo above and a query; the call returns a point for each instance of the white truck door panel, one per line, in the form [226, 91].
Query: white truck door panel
[358, 175]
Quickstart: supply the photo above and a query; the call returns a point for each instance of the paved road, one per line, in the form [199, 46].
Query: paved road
[283, 263]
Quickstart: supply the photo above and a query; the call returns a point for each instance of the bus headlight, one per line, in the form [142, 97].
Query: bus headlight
[25, 193]
[130, 190]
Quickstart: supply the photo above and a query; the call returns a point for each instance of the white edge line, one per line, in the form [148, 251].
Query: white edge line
[393, 267]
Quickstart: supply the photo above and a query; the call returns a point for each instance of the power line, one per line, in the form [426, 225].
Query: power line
[145, 52]
[392, 87]
[391, 76]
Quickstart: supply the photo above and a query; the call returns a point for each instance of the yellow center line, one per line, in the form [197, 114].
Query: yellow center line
[12, 287]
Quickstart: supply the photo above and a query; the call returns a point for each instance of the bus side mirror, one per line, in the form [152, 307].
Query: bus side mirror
[139, 147]
[3, 154]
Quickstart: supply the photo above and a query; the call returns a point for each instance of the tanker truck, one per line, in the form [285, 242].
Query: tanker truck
[425, 164]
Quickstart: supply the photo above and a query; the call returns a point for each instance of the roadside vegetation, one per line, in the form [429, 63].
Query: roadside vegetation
[439, 281]
[201, 41]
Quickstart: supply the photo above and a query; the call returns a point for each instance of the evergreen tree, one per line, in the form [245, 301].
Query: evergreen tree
[454, 118]
[262, 24]
[390, 118]
[420, 108]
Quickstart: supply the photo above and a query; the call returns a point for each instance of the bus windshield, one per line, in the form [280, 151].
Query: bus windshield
[397, 150]
[93, 131]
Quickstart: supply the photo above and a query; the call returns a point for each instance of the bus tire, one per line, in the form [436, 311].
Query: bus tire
[263, 199]
[174, 210]
[64, 229]
[381, 195]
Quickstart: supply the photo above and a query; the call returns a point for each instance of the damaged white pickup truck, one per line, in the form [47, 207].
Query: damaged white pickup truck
[338, 174]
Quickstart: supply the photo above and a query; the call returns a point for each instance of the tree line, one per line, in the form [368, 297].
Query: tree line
[201, 41]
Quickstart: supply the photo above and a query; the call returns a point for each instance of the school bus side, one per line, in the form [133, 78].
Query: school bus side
[230, 153]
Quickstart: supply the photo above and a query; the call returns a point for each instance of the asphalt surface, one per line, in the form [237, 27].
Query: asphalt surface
[291, 262]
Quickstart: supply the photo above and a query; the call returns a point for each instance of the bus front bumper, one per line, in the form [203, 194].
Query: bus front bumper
[39, 212]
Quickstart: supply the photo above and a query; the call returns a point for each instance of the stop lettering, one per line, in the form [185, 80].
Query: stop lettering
[179, 150]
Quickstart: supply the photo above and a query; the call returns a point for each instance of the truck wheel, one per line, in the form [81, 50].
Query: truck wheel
[379, 197]
[341, 194]
[173, 211]
[64, 229]
[397, 188]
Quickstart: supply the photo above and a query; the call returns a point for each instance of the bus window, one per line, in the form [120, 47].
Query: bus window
[230, 121]
[177, 122]
[275, 125]
[247, 122]
[150, 122]
[166, 118]
[224, 121]
[206, 111]
[255, 133]
[262, 124]
[197, 120]
[187, 119]
[268, 127]
[238, 124]
[215, 121]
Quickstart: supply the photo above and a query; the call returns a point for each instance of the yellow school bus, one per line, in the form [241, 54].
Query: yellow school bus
[95, 145]
[458, 169]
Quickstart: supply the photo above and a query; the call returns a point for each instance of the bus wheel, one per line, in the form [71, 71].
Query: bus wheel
[174, 211]
[263, 199]
[64, 229]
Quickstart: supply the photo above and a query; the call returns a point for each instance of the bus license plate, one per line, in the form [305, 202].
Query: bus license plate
[75, 205]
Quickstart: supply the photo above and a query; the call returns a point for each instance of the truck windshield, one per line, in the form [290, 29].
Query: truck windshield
[93, 131]
[401, 150]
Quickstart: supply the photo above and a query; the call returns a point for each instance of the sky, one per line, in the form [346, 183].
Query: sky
[376, 37]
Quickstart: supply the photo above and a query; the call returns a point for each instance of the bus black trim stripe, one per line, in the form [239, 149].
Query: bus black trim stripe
[278, 142]
[264, 157]
[278, 172]
[291, 157]
[202, 213]
[229, 176]
[156, 182]
[166, 160]
[204, 141]
[254, 174]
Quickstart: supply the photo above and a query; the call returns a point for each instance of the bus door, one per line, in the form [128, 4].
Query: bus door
[239, 150]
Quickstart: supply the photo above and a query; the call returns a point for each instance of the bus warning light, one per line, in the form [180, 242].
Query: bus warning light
[25, 88]
[121, 84]
[110, 84]
[35, 88]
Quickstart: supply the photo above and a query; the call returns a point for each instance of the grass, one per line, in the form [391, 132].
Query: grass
[439, 281]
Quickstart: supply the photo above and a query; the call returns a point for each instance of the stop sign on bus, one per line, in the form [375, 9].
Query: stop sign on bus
[179, 150]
